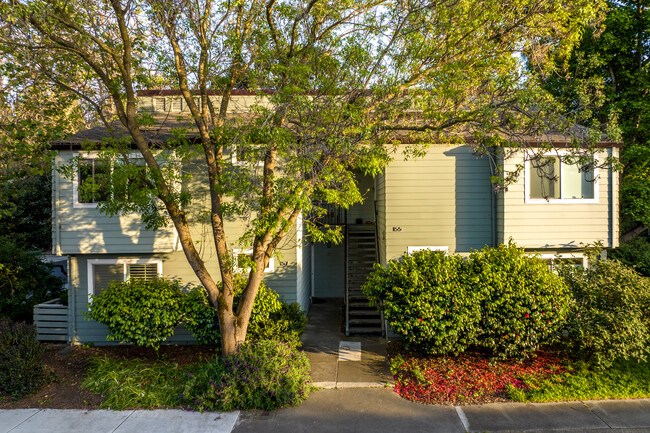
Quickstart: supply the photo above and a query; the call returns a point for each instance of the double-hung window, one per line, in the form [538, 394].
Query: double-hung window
[92, 183]
[558, 178]
[102, 272]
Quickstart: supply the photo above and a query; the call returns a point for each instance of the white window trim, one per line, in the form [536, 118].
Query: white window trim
[269, 268]
[75, 185]
[527, 180]
[551, 256]
[411, 250]
[123, 262]
[75, 180]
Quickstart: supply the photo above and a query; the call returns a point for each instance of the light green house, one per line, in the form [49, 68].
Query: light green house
[444, 201]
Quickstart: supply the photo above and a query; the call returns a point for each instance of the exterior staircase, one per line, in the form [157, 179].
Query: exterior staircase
[361, 255]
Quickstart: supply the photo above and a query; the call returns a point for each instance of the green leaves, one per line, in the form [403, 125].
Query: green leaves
[610, 317]
[499, 298]
[141, 312]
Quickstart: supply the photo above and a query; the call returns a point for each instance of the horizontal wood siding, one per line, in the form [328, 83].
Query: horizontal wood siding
[87, 230]
[558, 225]
[175, 266]
[51, 321]
[441, 199]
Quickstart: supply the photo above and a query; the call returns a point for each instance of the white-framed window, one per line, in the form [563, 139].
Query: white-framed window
[101, 272]
[411, 250]
[241, 254]
[554, 178]
[91, 167]
[574, 259]
[100, 170]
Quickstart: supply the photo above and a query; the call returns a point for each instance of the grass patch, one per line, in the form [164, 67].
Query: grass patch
[134, 383]
[624, 379]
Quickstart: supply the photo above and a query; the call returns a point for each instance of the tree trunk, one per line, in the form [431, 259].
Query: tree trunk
[231, 333]
[633, 233]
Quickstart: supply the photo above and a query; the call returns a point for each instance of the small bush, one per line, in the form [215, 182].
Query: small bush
[25, 280]
[21, 367]
[610, 318]
[636, 253]
[270, 319]
[428, 299]
[141, 312]
[264, 374]
[523, 303]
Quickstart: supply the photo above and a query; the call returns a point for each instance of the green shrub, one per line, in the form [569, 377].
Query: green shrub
[499, 299]
[141, 312]
[270, 319]
[429, 300]
[610, 319]
[523, 303]
[264, 374]
[25, 280]
[200, 317]
[21, 367]
[635, 252]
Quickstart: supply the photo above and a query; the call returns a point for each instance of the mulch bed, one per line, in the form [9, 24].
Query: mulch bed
[67, 371]
[468, 378]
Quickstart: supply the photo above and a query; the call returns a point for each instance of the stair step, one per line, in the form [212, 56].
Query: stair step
[358, 304]
[365, 322]
[364, 313]
[365, 330]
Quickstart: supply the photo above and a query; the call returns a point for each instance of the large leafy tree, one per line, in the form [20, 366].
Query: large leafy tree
[340, 82]
[610, 68]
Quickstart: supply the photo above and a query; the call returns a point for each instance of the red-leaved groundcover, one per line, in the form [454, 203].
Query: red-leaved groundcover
[467, 378]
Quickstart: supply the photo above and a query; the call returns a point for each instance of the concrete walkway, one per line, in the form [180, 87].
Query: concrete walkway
[109, 421]
[356, 410]
[338, 361]
[375, 410]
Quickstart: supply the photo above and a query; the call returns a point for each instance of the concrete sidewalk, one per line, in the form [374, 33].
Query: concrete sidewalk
[109, 421]
[372, 410]
[376, 410]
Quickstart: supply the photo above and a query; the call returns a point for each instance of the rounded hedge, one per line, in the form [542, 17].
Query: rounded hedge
[499, 298]
[428, 299]
[141, 312]
[523, 304]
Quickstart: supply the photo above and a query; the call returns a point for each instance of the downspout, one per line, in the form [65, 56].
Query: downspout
[72, 298]
[56, 236]
[493, 198]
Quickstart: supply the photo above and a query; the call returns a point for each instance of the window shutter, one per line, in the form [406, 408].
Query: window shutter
[104, 275]
[145, 271]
